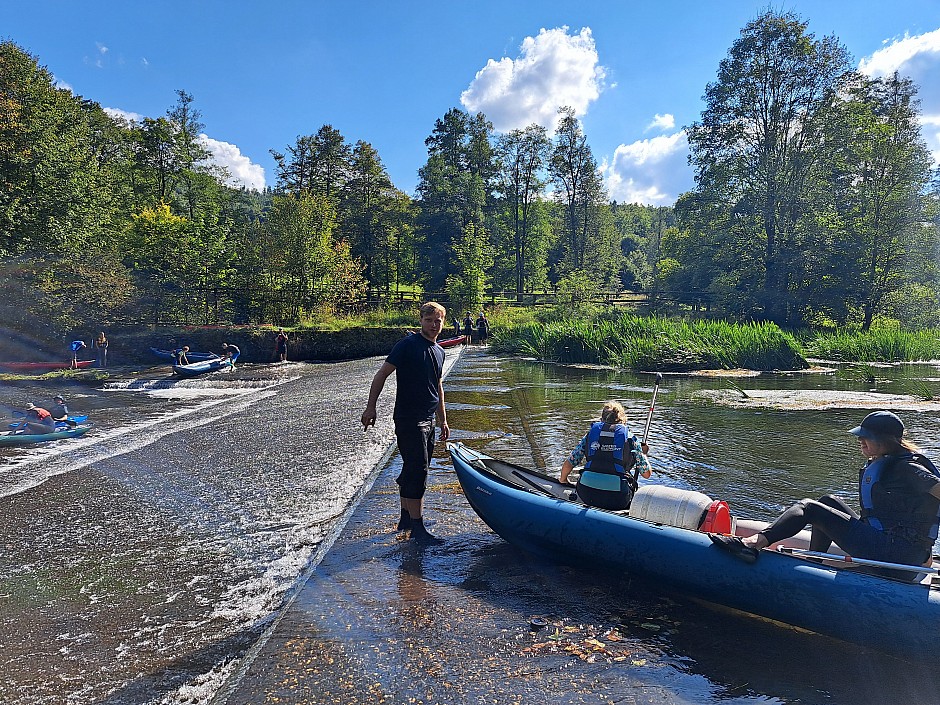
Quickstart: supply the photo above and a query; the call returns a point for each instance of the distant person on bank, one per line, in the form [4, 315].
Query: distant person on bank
[180, 354]
[468, 327]
[280, 346]
[75, 346]
[483, 327]
[418, 362]
[231, 352]
[100, 345]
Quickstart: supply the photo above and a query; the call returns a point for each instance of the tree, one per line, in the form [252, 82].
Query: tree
[309, 269]
[755, 144]
[52, 196]
[579, 188]
[455, 187]
[466, 286]
[877, 171]
[315, 165]
[365, 199]
[522, 156]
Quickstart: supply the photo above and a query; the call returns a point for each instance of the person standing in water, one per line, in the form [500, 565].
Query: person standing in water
[418, 362]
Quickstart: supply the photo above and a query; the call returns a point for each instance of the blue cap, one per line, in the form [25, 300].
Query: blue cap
[879, 424]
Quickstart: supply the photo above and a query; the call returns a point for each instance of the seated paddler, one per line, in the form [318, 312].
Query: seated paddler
[610, 455]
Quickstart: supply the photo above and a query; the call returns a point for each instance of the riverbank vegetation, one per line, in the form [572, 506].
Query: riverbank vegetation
[655, 343]
[813, 204]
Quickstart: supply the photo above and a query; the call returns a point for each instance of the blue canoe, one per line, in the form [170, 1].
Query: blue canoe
[170, 355]
[12, 438]
[194, 369]
[535, 512]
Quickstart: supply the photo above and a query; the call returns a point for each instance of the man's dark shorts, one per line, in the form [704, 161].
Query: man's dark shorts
[416, 445]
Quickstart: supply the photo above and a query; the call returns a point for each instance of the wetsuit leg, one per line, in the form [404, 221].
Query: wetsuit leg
[825, 519]
[820, 540]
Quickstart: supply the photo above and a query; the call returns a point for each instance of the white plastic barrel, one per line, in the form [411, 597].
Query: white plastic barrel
[670, 506]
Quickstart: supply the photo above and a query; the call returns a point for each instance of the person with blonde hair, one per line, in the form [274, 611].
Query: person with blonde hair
[418, 362]
[610, 453]
[899, 495]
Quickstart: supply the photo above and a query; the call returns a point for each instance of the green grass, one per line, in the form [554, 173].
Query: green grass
[878, 345]
[653, 343]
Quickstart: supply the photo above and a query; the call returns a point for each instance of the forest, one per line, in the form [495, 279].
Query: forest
[815, 204]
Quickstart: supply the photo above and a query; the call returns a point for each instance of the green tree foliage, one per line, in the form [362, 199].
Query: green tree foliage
[51, 191]
[472, 257]
[589, 237]
[755, 146]
[377, 220]
[870, 207]
[455, 188]
[522, 156]
[307, 268]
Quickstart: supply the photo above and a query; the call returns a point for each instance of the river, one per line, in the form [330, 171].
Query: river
[143, 560]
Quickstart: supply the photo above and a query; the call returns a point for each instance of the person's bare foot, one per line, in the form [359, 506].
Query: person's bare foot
[757, 541]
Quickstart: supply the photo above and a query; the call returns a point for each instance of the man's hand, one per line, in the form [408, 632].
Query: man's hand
[368, 418]
[445, 432]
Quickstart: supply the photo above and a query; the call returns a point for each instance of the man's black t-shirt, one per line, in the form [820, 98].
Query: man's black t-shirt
[418, 365]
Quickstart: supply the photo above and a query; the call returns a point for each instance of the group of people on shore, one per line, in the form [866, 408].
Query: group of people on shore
[99, 345]
[475, 333]
[898, 486]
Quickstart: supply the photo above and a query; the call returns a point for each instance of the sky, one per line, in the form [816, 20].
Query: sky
[382, 71]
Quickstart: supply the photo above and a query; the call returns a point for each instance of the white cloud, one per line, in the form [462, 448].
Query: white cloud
[118, 114]
[552, 70]
[917, 58]
[652, 172]
[900, 53]
[241, 170]
[662, 123]
[59, 83]
[102, 49]
[930, 126]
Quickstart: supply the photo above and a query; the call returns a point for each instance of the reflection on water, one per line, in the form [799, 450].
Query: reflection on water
[759, 461]
[137, 562]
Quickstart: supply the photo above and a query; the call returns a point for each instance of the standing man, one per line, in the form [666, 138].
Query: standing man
[280, 346]
[419, 397]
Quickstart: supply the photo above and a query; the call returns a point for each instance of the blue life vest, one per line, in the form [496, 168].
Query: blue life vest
[605, 446]
[884, 511]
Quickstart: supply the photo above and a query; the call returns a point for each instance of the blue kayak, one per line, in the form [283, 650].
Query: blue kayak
[194, 369]
[12, 438]
[170, 355]
[831, 596]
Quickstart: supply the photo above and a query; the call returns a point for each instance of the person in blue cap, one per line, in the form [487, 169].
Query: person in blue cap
[899, 495]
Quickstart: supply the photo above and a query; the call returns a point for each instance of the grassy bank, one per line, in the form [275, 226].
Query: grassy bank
[652, 343]
[879, 345]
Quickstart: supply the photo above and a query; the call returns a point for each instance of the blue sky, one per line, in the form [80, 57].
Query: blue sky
[383, 71]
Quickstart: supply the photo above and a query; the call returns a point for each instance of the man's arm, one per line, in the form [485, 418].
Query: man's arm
[378, 384]
[442, 412]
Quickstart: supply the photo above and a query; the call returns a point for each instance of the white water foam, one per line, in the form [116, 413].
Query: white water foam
[98, 446]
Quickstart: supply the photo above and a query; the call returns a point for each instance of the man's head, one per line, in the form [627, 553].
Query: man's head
[432, 319]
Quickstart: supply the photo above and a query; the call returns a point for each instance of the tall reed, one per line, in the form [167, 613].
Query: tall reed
[647, 343]
[877, 345]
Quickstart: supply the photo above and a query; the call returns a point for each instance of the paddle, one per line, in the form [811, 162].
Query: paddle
[649, 420]
[857, 561]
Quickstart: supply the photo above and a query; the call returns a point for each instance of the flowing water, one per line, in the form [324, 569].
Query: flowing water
[139, 562]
